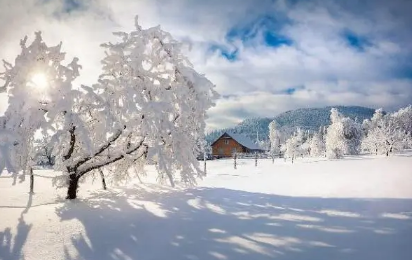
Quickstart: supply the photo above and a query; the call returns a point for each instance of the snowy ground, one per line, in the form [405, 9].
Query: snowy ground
[356, 208]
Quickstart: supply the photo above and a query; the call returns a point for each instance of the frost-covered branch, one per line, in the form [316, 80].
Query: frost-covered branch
[99, 151]
[99, 164]
[72, 142]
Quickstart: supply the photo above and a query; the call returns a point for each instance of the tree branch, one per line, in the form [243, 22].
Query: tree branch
[72, 143]
[114, 159]
[99, 151]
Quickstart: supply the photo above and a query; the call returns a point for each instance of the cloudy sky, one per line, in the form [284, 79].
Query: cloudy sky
[265, 57]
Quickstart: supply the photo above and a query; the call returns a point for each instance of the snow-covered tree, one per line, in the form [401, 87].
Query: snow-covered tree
[403, 119]
[317, 145]
[343, 136]
[293, 145]
[37, 84]
[335, 139]
[306, 143]
[149, 102]
[385, 134]
[275, 139]
[353, 136]
[369, 124]
[43, 153]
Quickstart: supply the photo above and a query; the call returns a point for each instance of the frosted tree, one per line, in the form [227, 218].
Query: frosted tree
[335, 138]
[293, 145]
[43, 153]
[149, 102]
[35, 85]
[353, 135]
[343, 136]
[370, 142]
[169, 101]
[275, 139]
[386, 134]
[305, 146]
[317, 145]
[403, 119]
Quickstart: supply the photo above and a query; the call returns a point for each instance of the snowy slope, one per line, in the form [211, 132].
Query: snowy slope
[356, 208]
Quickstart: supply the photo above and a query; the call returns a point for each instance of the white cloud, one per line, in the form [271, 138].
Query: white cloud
[320, 62]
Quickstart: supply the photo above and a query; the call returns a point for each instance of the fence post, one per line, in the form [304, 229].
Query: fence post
[234, 160]
[204, 163]
[103, 179]
[31, 180]
[256, 157]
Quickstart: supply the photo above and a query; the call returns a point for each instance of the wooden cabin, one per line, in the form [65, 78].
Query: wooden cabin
[228, 144]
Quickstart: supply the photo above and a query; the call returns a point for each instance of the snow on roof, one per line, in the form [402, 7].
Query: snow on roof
[245, 141]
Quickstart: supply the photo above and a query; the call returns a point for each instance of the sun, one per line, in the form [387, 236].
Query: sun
[39, 80]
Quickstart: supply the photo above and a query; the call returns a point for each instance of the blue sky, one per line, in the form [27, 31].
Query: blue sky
[265, 57]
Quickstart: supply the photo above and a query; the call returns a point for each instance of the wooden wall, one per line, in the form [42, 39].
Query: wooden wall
[220, 148]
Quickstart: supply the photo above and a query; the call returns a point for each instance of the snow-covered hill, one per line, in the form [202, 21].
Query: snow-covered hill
[305, 118]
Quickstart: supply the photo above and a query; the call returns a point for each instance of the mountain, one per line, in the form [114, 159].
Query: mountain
[305, 118]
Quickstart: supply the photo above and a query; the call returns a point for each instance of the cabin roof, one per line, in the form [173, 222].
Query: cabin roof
[241, 139]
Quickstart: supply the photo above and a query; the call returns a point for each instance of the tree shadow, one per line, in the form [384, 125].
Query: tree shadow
[11, 248]
[217, 223]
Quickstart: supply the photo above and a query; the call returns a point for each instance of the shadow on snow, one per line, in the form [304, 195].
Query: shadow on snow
[217, 223]
[11, 247]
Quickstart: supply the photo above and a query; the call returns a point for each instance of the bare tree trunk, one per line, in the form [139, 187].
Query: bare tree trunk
[73, 186]
[31, 180]
[103, 179]
[50, 160]
[293, 157]
[172, 183]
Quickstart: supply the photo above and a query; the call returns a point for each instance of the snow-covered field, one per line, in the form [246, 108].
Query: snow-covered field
[356, 208]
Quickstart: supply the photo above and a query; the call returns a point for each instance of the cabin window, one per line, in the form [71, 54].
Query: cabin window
[226, 141]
